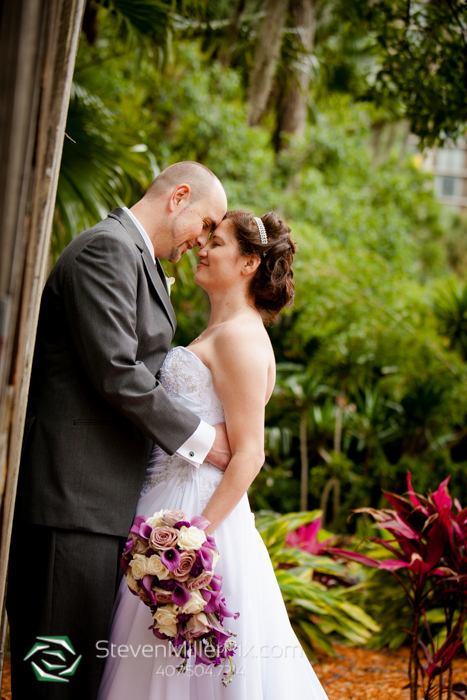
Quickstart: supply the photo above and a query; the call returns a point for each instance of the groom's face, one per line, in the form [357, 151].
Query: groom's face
[194, 223]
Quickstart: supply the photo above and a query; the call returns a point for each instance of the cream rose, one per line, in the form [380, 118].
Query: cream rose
[156, 519]
[155, 567]
[166, 620]
[195, 605]
[131, 582]
[139, 566]
[191, 538]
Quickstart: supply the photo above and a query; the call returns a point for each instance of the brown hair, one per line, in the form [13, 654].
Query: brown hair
[272, 286]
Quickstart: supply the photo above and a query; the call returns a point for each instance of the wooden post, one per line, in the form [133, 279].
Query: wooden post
[38, 43]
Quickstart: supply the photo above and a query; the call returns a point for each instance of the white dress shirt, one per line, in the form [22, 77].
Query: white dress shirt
[198, 445]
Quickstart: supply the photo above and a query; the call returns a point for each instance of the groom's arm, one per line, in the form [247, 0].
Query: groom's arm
[99, 292]
[208, 442]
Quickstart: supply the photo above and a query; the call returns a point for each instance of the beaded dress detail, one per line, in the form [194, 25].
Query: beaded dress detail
[188, 380]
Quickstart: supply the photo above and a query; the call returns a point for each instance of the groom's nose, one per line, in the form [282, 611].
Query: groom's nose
[201, 239]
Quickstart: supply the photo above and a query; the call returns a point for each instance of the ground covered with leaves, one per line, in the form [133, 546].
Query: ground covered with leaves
[365, 674]
[354, 674]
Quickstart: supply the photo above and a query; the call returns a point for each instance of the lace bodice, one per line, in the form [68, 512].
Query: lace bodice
[188, 380]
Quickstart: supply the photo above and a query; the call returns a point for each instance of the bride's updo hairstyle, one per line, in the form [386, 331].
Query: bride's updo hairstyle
[272, 286]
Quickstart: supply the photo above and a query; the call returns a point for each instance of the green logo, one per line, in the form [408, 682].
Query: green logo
[54, 659]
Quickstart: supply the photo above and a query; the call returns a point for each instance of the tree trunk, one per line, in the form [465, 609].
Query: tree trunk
[293, 105]
[232, 33]
[267, 53]
[338, 430]
[38, 43]
[333, 484]
[304, 462]
[341, 403]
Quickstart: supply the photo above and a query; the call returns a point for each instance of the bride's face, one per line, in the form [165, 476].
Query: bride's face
[220, 264]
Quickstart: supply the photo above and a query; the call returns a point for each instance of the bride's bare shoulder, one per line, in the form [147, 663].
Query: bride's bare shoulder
[245, 336]
[242, 353]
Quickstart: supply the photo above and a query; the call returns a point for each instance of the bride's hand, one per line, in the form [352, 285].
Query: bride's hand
[220, 452]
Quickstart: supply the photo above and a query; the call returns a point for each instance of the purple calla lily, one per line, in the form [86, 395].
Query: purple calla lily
[171, 559]
[136, 525]
[211, 543]
[206, 557]
[124, 564]
[146, 585]
[145, 530]
[180, 596]
[200, 522]
[213, 599]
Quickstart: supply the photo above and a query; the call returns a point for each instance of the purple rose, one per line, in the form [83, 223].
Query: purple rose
[161, 595]
[171, 517]
[140, 546]
[197, 626]
[187, 560]
[200, 581]
[163, 537]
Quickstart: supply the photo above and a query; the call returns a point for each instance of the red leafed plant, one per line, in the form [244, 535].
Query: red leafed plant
[429, 543]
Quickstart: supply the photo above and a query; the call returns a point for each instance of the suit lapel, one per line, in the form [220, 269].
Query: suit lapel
[154, 272]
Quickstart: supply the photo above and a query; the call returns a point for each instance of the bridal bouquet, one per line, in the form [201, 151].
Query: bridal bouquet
[169, 563]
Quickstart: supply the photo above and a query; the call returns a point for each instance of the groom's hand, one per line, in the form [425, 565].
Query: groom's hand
[220, 452]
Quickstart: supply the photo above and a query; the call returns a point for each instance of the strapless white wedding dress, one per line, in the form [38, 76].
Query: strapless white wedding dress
[271, 664]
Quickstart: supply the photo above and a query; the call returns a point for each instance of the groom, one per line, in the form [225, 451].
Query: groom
[95, 409]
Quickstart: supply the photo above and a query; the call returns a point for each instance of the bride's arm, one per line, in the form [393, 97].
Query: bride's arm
[239, 366]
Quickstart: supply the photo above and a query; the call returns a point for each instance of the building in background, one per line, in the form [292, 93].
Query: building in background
[449, 166]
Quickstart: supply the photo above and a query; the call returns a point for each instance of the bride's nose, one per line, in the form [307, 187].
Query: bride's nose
[202, 252]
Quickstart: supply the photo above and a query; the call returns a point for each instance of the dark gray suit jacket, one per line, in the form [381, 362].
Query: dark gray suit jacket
[95, 407]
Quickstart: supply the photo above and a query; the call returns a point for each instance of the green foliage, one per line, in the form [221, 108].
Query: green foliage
[316, 611]
[101, 168]
[422, 61]
[375, 324]
[451, 312]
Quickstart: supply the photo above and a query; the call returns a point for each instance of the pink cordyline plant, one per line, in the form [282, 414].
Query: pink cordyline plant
[306, 538]
[430, 544]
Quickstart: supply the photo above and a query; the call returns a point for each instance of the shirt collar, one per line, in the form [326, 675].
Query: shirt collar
[143, 233]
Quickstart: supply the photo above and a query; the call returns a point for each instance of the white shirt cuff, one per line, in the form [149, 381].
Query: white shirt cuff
[197, 447]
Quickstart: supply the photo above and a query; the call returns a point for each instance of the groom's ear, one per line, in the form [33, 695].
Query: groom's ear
[180, 196]
[250, 265]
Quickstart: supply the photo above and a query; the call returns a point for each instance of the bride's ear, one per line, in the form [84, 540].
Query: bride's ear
[250, 264]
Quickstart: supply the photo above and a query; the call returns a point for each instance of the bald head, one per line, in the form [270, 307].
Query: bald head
[181, 208]
[201, 180]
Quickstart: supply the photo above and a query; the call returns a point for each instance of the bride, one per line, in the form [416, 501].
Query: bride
[227, 373]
